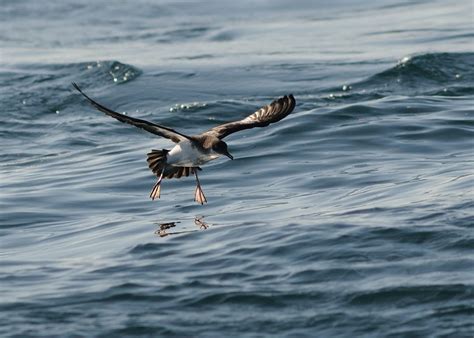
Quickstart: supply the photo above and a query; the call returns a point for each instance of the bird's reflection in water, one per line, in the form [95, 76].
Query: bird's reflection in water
[163, 227]
[198, 220]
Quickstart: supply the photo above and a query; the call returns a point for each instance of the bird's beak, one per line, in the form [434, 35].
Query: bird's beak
[229, 155]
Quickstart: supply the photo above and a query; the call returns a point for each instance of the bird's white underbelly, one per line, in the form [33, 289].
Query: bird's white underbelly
[185, 154]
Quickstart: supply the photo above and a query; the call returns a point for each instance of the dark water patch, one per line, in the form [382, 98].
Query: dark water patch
[423, 74]
[453, 91]
[418, 235]
[461, 310]
[399, 5]
[464, 243]
[412, 295]
[326, 275]
[159, 35]
[187, 33]
[226, 35]
[441, 135]
[134, 330]
[133, 296]
[225, 276]
[451, 37]
[195, 57]
[261, 300]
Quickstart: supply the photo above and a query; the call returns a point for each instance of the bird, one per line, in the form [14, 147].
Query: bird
[190, 152]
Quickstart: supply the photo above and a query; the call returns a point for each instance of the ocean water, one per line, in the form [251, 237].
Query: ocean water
[352, 217]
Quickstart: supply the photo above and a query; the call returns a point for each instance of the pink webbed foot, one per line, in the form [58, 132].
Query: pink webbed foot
[199, 195]
[156, 191]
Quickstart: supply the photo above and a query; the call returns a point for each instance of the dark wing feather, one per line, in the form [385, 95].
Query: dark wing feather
[148, 126]
[274, 112]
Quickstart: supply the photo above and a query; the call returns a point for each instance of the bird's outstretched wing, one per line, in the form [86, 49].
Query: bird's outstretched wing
[148, 126]
[274, 112]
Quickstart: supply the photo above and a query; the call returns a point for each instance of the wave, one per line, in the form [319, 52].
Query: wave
[30, 90]
[449, 74]
[431, 74]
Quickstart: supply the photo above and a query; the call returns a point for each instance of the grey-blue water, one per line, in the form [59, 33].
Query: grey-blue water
[353, 217]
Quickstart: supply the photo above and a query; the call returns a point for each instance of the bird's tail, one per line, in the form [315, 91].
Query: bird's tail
[157, 163]
[157, 160]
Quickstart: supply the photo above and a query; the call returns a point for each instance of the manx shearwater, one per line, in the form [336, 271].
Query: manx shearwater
[190, 152]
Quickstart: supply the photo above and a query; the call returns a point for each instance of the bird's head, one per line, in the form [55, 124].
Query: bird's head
[221, 148]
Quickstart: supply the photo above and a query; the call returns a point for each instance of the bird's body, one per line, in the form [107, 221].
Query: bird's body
[187, 154]
[190, 152]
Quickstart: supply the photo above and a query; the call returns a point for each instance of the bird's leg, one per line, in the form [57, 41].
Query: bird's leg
[155, 192]
[199, 194]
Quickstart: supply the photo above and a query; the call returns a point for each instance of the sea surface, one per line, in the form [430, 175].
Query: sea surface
[352, 217]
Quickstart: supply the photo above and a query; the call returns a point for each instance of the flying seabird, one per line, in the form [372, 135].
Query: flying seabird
[190, 152]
